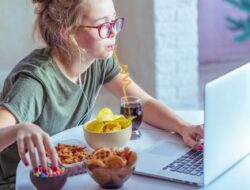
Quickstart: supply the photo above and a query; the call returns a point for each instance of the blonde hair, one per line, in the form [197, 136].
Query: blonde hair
[55, 15]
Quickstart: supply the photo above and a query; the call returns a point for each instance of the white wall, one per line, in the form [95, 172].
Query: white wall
[149, 33]
[16, 23]
[135, 47]
[176, 57]
[159, 43]
[136, 41]
[16, 18]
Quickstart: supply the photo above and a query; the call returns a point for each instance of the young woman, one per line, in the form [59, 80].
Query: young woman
[54, 88]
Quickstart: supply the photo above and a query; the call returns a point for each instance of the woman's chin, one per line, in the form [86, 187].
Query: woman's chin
[106, 55]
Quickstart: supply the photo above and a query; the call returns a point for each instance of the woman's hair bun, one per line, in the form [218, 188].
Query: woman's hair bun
[66, 3]
[41, 1]
[37, 1]
[63, 3]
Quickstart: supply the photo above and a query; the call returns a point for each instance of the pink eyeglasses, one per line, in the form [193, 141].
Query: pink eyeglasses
[105, 29]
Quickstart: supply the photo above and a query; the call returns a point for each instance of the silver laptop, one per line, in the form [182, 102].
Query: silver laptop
[226, 136]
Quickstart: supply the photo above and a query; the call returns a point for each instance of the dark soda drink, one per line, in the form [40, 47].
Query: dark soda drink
[132, 110]
[131, 106]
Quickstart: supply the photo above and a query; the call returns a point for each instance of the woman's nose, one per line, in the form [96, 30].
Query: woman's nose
[112, 33]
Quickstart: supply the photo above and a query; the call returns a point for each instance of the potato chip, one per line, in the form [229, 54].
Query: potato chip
[107, 122]
[95, 126]
[111, 126]
[105, 114]
[124, 122]
[115, 117]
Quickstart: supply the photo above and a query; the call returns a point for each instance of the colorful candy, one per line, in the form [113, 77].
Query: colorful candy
[51, 172]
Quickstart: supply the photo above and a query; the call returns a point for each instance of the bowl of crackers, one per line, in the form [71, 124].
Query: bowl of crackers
[111, 167]
[108, 130]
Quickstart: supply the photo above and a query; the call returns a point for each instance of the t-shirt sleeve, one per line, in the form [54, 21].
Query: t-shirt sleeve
[24, 99]
[110, 69]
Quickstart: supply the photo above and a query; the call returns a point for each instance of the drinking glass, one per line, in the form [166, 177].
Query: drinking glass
[131, 106]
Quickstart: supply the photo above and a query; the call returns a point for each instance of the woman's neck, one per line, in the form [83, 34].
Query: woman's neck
[73, 68]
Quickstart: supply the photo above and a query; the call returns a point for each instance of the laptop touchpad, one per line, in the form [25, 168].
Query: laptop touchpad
[170, 149]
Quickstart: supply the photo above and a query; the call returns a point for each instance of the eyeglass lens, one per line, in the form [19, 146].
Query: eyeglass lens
[107, 28]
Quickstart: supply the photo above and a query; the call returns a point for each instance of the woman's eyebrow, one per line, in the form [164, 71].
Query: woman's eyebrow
[104, 18]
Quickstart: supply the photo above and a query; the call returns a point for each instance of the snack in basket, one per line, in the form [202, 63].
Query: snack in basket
[107, 156]
[111, 167]
[115, 162]
[72, 157]
[106, 122]
[102, 154]
[70, 154]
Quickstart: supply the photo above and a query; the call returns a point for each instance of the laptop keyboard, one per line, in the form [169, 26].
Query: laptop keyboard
[190, 163]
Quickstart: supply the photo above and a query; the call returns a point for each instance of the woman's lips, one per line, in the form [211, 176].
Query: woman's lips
[110, 47]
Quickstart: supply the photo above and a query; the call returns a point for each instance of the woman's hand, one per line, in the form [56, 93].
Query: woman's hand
[30, 136]
[192, 135]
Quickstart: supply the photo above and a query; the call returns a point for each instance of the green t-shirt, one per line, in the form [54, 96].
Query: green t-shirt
[37, 91]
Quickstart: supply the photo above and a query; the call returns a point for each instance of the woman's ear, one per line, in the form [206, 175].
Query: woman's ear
[64, 33]
[68, 37]
[73, 40]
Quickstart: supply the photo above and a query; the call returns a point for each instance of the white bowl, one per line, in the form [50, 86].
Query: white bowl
[112, 139]
[77, 167]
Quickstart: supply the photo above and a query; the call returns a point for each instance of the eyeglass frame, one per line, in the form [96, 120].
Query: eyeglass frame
[111, 26]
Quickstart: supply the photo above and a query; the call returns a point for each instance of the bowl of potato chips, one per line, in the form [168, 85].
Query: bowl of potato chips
[108, 130]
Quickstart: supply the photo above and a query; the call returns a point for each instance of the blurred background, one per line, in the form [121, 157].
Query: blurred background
[173, 48]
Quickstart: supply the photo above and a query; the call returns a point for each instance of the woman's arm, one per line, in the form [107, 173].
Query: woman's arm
[28, 136]
[157, 114]
[8, 130]
[7, 136]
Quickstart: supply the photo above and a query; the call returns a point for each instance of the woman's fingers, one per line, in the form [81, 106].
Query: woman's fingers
[199, 131]
[40, 150]
[192, 142]
[193, 136]
[31, 149]
[21, 150]
[30, 136]
[51, 150]
[198, 138]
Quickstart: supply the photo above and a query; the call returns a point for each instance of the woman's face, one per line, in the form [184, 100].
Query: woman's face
[88, 38]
